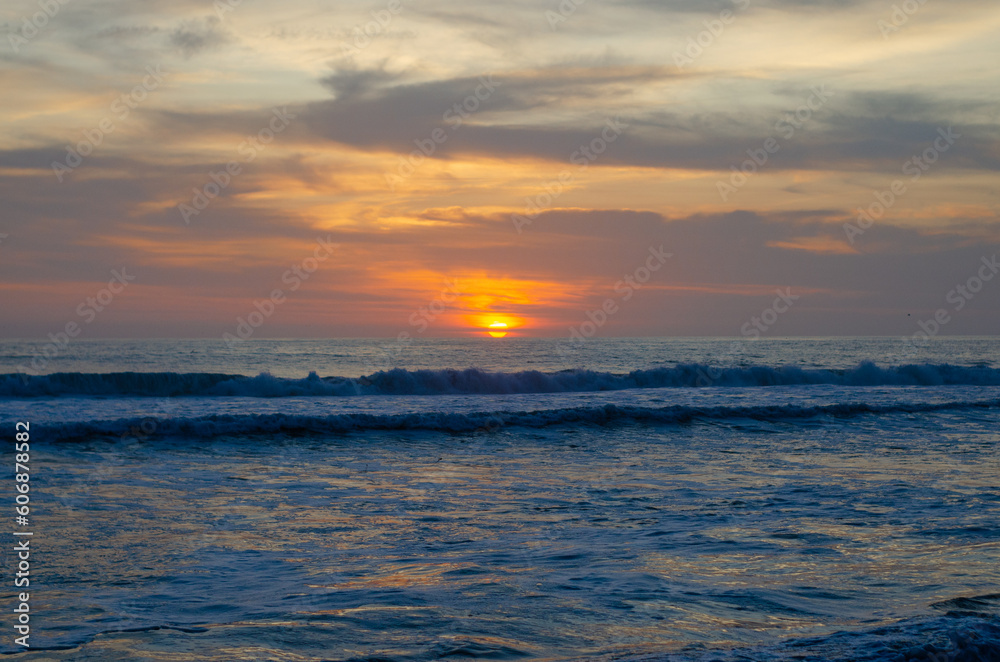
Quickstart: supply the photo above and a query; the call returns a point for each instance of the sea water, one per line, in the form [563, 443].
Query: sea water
[675, 499]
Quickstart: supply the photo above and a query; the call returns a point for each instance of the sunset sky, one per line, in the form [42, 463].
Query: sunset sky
[497, 161]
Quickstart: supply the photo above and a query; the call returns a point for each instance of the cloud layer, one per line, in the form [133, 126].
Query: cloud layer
[533, 153]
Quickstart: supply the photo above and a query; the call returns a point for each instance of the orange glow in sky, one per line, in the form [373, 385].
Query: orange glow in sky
[508, 213]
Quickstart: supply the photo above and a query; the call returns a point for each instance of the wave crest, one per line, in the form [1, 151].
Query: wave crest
[456, 422]
[474, 381]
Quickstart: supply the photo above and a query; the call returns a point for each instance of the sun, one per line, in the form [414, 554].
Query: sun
[498, 329]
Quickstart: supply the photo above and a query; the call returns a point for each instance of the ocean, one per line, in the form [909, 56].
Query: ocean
[630, 499]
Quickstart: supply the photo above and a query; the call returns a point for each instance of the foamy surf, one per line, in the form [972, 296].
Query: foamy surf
[798, 506]
[474, 381]
[478, 421]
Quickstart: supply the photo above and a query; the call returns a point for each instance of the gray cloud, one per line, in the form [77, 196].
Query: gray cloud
[194, 37]
[874, 130]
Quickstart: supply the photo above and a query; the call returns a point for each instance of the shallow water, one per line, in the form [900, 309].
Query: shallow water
[563, 542]
[743, 521]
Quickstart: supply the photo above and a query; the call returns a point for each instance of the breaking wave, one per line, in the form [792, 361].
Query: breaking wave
[475, 381]
[457, 422]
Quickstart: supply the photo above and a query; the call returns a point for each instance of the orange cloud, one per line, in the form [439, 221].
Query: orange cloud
[821, 245]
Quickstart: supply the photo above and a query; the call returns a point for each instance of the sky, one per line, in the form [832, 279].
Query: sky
[306, 168]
